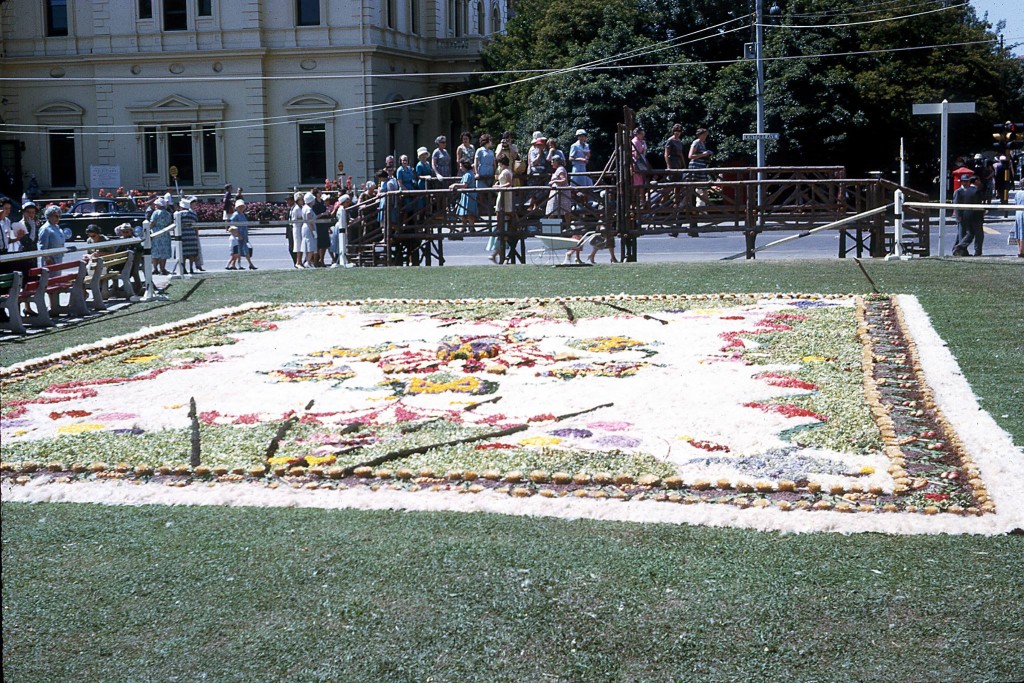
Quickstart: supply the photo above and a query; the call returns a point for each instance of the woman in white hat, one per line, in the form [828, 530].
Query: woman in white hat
[579, 157]
[295, 215]
[307, 242]
[189, 234]
[239, 230]
[339, 233]
[161, 244]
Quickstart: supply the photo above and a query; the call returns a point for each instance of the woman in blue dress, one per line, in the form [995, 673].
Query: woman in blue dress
[423, 174]
[161, 245]
[466, 208]
[407, 181]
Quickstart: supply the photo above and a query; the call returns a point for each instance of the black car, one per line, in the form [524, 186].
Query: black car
[106, 213]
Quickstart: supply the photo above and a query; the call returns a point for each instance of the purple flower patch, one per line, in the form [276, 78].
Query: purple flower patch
[811, 304]
[571, 433]
[15, 424]
[619, 441]
[610, 426]
[114, 417]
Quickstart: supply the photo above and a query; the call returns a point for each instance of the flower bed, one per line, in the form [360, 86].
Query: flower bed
[797, 402]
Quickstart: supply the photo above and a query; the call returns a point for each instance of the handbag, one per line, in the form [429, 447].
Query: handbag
[519, 167]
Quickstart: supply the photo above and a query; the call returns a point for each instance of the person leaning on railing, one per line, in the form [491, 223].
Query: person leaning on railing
[51, 236]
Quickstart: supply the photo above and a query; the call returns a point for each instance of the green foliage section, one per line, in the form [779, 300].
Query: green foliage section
[467, 457]
[234, 446]
[96, 593]
[828, 333]
[836, 95]
[552, 310]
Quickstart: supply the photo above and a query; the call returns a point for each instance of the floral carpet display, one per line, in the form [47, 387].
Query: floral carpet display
[796, 412]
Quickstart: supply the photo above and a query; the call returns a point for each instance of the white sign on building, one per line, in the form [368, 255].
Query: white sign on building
[104, 177]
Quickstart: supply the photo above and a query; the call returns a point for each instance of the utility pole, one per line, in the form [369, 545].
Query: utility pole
[758, 57]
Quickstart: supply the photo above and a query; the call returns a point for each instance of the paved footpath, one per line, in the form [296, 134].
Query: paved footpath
[271, 251]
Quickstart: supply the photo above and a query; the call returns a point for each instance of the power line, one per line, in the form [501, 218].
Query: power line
[339, 113]
[867, 21]
[316, 116]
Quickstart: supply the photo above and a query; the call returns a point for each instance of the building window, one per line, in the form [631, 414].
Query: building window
[204, 8]
[209, 149]
[308, 12]
[145, 9]
[150, 160]
[312, 152]
[481, 20]
[495, 19]
[179, 154]
[56, 17]
[414, 17]
[62, 159]
[175, 15]
[391, 12]
[461, 16]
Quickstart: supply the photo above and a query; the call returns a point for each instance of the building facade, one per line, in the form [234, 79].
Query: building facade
[264, 94]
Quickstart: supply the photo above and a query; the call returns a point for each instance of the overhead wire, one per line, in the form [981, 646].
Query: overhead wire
[867, 21]
[602, 64]
[866, 8]
[315, 116]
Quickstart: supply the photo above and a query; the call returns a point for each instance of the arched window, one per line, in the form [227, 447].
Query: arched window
[391, 13]
[461, 17]
[495, 19]
[414, 17]
[481, 20]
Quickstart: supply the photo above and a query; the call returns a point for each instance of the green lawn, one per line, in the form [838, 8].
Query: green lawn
[160, 594]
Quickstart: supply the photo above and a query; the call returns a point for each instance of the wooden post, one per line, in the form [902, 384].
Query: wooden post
[194, 417]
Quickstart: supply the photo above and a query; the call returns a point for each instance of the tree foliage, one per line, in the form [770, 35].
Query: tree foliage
[841, 76]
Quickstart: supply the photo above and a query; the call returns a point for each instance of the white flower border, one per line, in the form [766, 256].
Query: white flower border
[1000, 462]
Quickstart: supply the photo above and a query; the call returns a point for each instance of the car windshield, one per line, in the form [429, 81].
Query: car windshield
[125, 205]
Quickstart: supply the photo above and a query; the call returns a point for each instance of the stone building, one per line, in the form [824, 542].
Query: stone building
[264, 94]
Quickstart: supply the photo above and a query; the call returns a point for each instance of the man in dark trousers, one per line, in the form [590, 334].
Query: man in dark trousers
[972, 221]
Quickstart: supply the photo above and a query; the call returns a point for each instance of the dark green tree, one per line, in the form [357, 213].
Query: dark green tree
[841, 76]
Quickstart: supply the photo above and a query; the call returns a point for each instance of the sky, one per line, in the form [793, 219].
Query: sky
[1010, 10]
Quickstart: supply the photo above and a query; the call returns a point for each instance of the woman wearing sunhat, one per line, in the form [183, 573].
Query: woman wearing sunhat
[189, 235]
[160, 248]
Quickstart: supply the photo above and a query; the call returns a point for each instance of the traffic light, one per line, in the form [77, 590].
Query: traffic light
[1000, 137]
[1008, 136]
[1014, 136]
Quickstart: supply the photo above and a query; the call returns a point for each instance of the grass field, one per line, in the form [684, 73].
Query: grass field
[158, 594]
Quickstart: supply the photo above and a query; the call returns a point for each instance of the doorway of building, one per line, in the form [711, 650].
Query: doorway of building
[11, 180]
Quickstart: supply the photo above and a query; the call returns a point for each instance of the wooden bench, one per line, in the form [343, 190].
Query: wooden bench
[61, 278]
[10, 290]
[111, 278]
[34, 292]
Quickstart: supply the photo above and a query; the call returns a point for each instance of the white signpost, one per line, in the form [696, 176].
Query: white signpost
[760, 136]
[943, 109]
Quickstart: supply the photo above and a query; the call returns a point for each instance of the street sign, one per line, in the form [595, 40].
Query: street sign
[943, 109]
[174, 171]
[341, 167]
[951, 108]
[760, 136]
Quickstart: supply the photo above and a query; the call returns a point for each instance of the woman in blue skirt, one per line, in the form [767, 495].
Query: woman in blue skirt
[466, 208]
